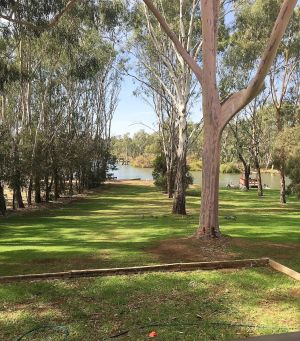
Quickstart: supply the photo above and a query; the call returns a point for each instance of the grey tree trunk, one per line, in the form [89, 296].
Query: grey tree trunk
[37, 189]
[2, 200]
[282, 186]
[170, 183]
[260, 191]
[180, 180]
[247, 171]
[56, 184]
[29, 193]
[179, 206]
[71, 192]
[48, 188]
[18, 197]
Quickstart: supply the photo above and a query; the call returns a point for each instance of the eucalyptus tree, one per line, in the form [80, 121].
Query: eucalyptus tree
[170, 78]
[217, 114]
[161, 103]
[166, 115]
[281, 81]
[248, 42]
[59, 105]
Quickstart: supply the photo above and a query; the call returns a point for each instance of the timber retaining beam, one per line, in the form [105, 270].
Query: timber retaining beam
[284, 269]
[175, 267]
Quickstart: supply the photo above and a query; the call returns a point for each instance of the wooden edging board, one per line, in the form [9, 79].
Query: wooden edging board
[175, 267]
[284, 269]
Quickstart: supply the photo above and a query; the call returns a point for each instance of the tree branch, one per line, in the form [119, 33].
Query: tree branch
[240, 99]
[53, 22]
[181, 50]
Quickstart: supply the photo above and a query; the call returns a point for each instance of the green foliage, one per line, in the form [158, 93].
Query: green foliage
[59, 91]
[143, 161]
[287, 152]
[160, 173]
[194, 164]
[229, 168]
[293, 172]
[140, 148]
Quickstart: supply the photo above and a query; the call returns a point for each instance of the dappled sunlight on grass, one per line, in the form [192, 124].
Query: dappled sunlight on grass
[94, 308]
[113, 226]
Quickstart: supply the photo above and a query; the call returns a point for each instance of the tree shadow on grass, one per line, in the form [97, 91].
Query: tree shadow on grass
[113, 228]
[94, 308]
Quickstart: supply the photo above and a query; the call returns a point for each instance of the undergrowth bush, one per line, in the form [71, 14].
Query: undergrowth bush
[229, 168]
[143, 161]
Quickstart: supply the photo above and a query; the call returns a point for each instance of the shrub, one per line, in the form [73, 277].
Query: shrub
[143, 161]
[194, 164]
[160, 174]
[229, 168]
[293, 171]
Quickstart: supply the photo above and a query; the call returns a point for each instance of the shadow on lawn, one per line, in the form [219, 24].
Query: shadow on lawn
[112, 227]
[107, 229]
[94, 308]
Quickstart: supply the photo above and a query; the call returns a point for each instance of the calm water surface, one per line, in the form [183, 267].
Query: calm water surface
[130, 172]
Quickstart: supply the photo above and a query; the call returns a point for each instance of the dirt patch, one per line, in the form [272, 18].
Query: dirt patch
[295, 293]
[132, 182]
[244, 243]
[61, 202]
[197, 250]
[193, 250]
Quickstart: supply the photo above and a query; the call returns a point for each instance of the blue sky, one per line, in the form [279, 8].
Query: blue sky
[132, 110]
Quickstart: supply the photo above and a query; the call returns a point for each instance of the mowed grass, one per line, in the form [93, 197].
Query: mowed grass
[114, 227]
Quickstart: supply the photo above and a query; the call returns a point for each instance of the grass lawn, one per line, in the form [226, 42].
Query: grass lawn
[127, 224]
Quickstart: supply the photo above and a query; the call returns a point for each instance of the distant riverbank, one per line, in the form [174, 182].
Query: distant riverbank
[129, 172]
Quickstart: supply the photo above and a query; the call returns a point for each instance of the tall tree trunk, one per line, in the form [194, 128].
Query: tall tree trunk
[216, 114]
[2, 200]
[71, 192]
[170, 183]
[179, 197]
[180, 180]
[260, 192]
[48, 188]
[37, 189]
[282, 186]
[209, 216]
[29, 192]
[247, 171]
[56, 184]
[18, 197]
[14, 200]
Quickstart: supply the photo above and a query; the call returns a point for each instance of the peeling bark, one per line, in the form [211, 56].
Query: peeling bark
[209, 217]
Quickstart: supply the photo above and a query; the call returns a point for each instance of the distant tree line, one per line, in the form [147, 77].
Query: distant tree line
[59, 90]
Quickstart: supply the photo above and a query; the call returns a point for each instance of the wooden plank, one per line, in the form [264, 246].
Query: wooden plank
[284, 269]
[174, 267]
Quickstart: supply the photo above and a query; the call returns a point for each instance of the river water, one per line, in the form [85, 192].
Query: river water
[130, 172]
